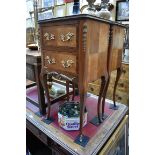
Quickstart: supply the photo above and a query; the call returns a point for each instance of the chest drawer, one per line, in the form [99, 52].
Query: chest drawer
[39, 134]
[60, 61]
[58, 36]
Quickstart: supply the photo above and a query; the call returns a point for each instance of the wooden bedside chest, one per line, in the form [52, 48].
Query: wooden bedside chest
[84, 48]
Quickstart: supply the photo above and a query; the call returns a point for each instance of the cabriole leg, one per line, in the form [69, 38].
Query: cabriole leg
[119, 72]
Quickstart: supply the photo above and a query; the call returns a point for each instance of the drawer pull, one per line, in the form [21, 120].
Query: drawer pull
[50, 61]
[92, 89]
[121, 84]
[124, 71]
[119, 98]
[49, 36]
[67, 36]
[67, 63]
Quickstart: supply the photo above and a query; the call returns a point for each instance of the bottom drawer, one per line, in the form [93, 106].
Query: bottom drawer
[57, 149]
[60, 61]
[38, 133]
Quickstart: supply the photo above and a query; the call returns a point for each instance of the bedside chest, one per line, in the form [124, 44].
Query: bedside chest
[84, 48]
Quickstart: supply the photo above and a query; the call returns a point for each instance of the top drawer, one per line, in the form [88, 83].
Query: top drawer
[56, 36]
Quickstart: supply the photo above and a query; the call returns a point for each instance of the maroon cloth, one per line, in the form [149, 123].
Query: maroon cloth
[68, 1]
[91, 104]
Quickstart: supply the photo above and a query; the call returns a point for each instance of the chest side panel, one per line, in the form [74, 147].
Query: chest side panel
[97, 48]
[118, 34]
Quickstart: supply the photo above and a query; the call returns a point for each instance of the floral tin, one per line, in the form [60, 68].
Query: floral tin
[69, 116]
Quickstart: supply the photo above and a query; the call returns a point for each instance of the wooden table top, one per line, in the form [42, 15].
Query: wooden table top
[33, 56]
[95, 143]
[34, 53]
[82, 16]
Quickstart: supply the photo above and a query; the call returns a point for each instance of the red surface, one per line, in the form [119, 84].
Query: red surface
[91, 105]
[68, 1]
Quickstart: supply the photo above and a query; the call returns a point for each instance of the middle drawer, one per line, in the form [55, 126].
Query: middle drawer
[60, 61]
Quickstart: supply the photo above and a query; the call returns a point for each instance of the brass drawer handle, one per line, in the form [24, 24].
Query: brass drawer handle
[124, 71]
[92, 89]
[49, 36]
[66, 37]
[50, 60]
[119, 98]
[67, 63]
[121, 84]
